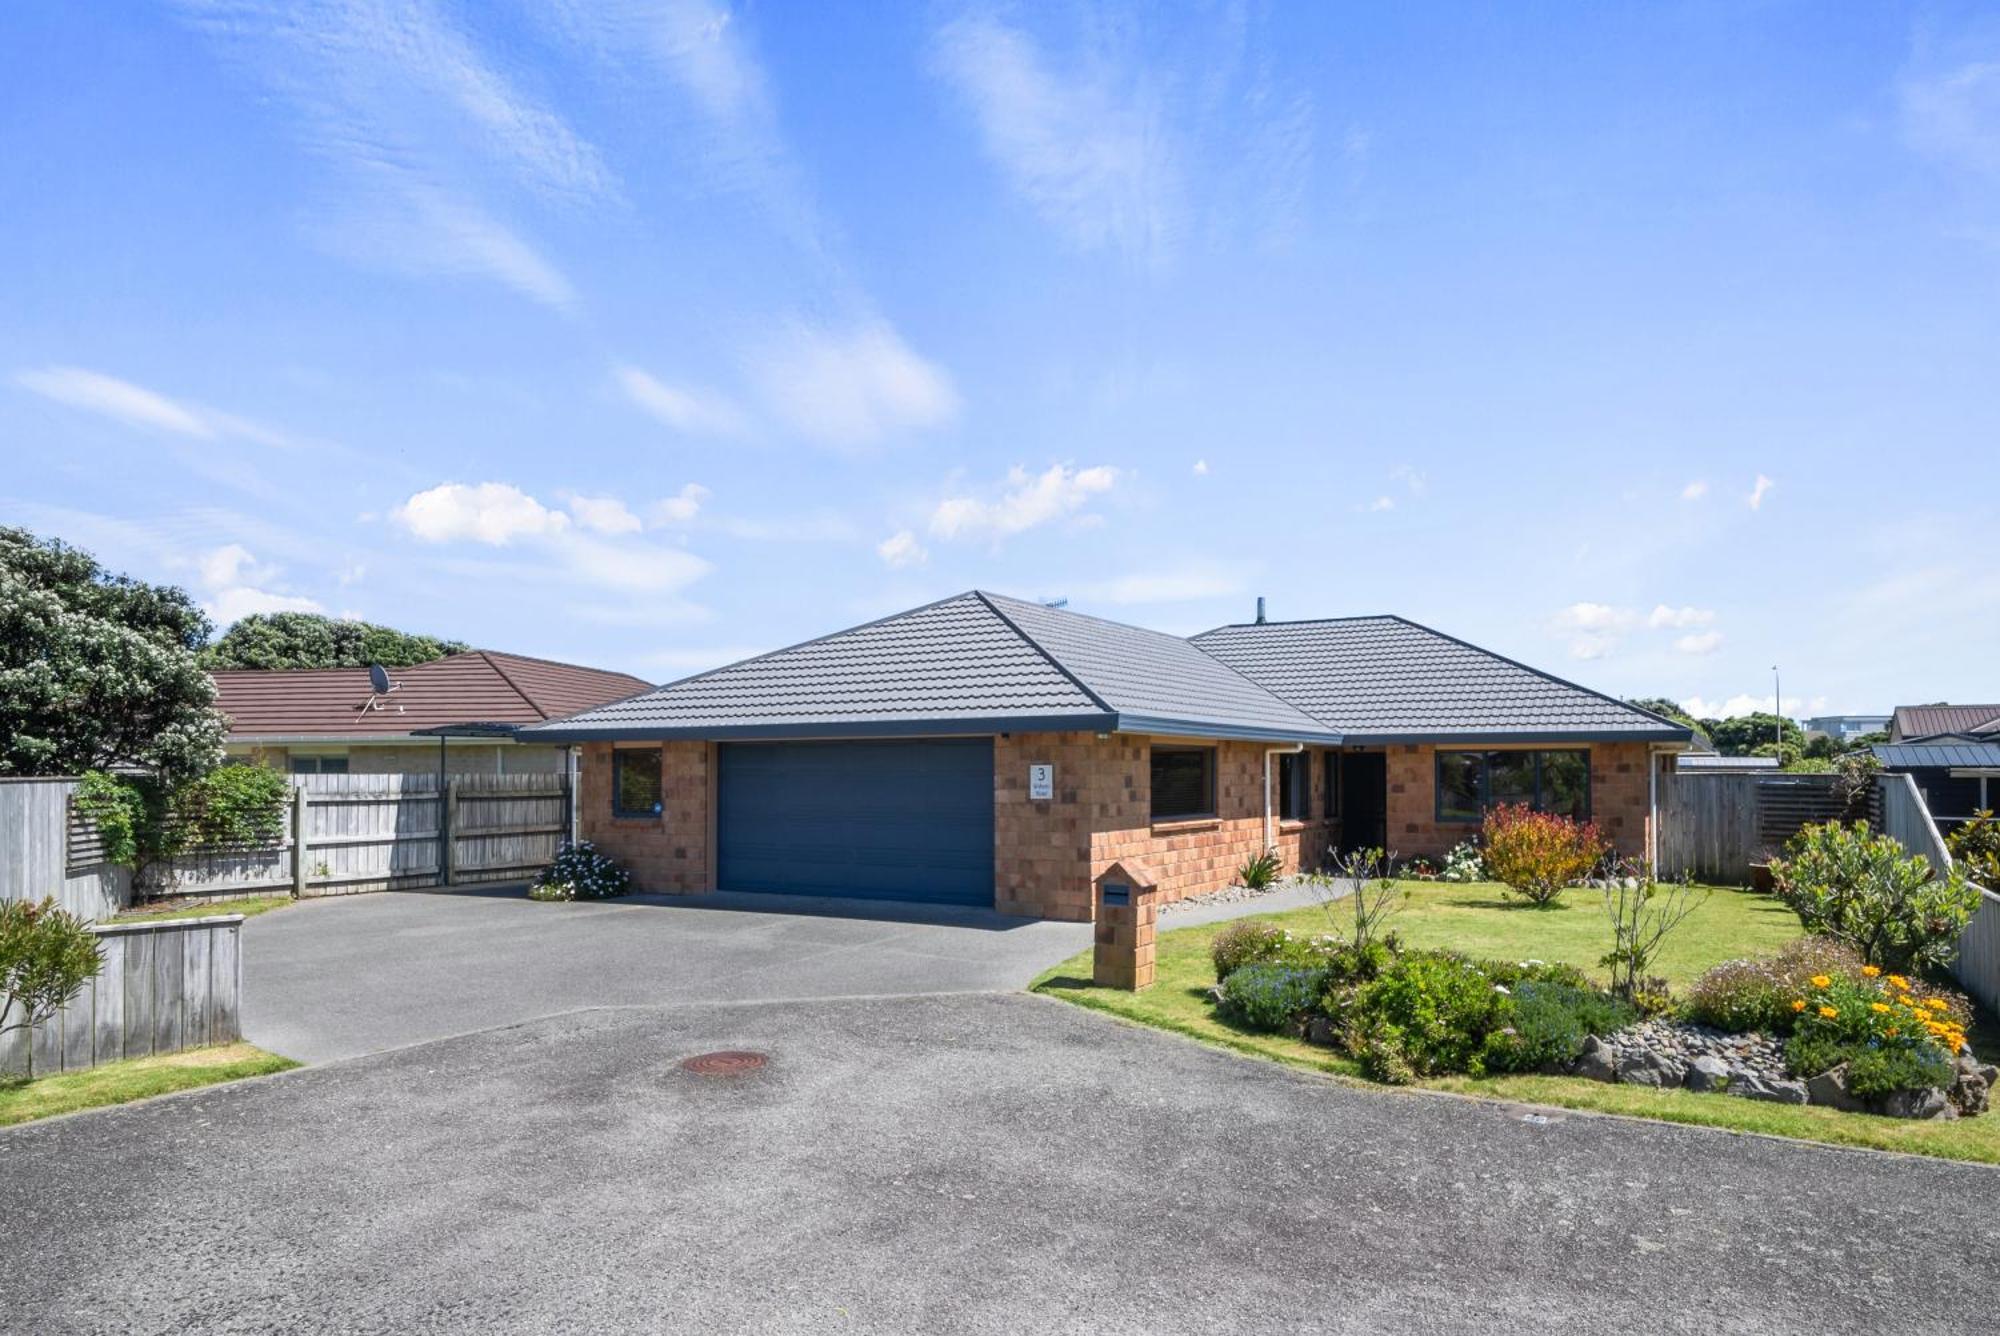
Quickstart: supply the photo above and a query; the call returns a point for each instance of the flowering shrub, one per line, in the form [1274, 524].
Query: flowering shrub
[1745, 995]
[1463, 864]
[581, 873]
[1538, 854]
[1269, 997]
[1858, 888]
[1421, 868]
[1891, 1037]
[1244, 942]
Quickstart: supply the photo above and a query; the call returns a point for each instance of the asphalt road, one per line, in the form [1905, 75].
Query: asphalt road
[969, 1163]
[339, 977]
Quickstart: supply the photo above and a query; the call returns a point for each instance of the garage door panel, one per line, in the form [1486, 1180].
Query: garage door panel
[888, 820]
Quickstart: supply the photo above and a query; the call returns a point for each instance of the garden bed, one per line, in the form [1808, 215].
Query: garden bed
[1480, 920]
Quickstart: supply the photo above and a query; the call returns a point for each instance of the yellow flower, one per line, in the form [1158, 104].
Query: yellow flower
[1821, 981]
[1937, 1004]
[1871, 971]
[1899, 981]
[1878, 1006]
[1798, 1004]
[1829, 1012]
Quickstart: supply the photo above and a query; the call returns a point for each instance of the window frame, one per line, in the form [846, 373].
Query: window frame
[1208, 811]
[319, 762]
[1295, 787]
[620, 758]
[1539, 798]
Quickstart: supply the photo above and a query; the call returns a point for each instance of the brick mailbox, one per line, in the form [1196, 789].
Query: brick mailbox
[1127, 902]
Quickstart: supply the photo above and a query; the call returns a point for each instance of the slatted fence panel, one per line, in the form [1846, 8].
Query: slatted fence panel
[371, 832]
[1715, 827]
[505, 827]
[1906, 816]
[35, 856]
[164, 987]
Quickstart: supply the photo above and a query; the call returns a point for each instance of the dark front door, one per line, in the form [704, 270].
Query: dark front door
[878, 820]
[1364, 797]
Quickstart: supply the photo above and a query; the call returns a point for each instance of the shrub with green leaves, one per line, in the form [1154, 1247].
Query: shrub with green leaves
[1435, 1008]
[1258, 873]
[1245, 942]
[1976, 846]
[1269, 997]
[579, 872]
[1537, 855]
[1548, 1025]
[47, 955]
[1741, 996]
[1859, 888]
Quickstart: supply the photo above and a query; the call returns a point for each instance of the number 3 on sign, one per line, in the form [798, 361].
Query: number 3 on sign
[1041, 782]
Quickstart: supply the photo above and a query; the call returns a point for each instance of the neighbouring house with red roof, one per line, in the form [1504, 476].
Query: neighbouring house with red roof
[335, 721]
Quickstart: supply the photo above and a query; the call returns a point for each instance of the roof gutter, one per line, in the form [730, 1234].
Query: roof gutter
[830, 729]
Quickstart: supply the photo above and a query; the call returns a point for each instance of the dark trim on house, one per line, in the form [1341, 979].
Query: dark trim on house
[933, 727]
[1500, 737]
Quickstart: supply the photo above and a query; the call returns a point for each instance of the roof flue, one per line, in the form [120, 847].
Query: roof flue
[1260, 609]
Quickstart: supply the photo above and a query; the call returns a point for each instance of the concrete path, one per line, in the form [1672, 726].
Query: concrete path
[959, 1164]
[338, 977]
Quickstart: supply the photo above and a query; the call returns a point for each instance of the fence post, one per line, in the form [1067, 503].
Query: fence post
[448, 829]
[299, 851]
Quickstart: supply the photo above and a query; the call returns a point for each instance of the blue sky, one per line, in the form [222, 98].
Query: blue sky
[1650, 345]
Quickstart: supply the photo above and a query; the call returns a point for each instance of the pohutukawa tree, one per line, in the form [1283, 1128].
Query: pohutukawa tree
[98, 669]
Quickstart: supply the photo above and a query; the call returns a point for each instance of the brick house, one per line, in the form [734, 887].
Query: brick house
[986, 751]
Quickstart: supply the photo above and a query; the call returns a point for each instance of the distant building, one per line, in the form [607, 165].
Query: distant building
[1846, 727]
[1931, 723]
[1709, 764]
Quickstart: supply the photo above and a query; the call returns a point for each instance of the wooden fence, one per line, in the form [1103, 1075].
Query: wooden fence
[388, 832]
[38, 857]
[1716, 827]
[164, 987]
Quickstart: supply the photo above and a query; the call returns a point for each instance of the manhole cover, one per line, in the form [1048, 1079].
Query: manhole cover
[732, 1063]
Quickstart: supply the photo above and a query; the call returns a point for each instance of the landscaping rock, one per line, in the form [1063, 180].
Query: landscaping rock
[1829, 1088]
[1597, 1062]
[1709, 1073]
[1973, 1088]
[1929, 1103]
[1752, 1085]
[1643, 1067]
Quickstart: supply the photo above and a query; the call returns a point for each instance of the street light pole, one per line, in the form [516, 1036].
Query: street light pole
[1778, 710]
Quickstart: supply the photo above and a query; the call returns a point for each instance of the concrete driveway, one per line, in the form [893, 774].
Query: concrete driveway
[965, 1164]
[338, 977]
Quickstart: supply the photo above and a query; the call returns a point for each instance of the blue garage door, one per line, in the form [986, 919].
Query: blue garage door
[882, 820]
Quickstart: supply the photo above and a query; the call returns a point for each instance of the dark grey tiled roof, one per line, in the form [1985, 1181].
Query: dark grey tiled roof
[1937, 755]
[1155, 681]
[1387, 679]
[976, 663]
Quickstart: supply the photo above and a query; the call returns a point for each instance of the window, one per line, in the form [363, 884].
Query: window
[635, 781]
[1330, 797]
[1294, 786]
[1469, 782]
[1183, 783]
[319, 765]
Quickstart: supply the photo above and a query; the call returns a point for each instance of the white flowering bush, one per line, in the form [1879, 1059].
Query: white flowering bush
[581, 873]
[1463, 864]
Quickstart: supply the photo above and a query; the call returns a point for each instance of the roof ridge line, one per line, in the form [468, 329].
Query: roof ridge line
[542, 659]
[526, 699]
[1302, 621]
[1045, 652]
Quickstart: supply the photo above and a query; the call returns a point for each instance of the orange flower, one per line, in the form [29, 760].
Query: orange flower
[1828, 1012]
[1821, 981]
[1798, 1004]
[1878, 1006]
[1871, 971]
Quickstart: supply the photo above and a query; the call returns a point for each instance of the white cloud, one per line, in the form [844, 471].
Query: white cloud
[901, 549]
[1413, 479]
[495, 513]
[603, 514]
[684, 408]
[1591, 646]
[137, 406]
[1695, 490]
[1681, 618]
[682, 507]
[424, 134]
[1737, 706]
[1382, 503]
[1201, 468]
[1089, 150]
[230, 576]
[226, 565]
[1701, 642]
[1759, 492]
[234, 604]
[1595, 617]
[854, 386]
[1028, 501]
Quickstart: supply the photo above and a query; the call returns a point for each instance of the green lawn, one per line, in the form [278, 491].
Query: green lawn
[1480, 920]
[122, 1082]
[249, 907]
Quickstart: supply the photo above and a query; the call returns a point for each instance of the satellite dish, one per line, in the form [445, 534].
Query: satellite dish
[378, 678]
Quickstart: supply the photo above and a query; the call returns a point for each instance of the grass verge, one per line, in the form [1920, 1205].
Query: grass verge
[1475, 919]
[249, 907]
[139, 1078]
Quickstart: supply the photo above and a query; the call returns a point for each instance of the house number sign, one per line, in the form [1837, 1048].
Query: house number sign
[1041, 782]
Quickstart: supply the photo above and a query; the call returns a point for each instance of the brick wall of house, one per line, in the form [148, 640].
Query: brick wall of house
[1619, 799]
[667, 853]
[1041, 849]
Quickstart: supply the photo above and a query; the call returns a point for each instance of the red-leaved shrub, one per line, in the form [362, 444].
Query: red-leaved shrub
[1537, 854]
